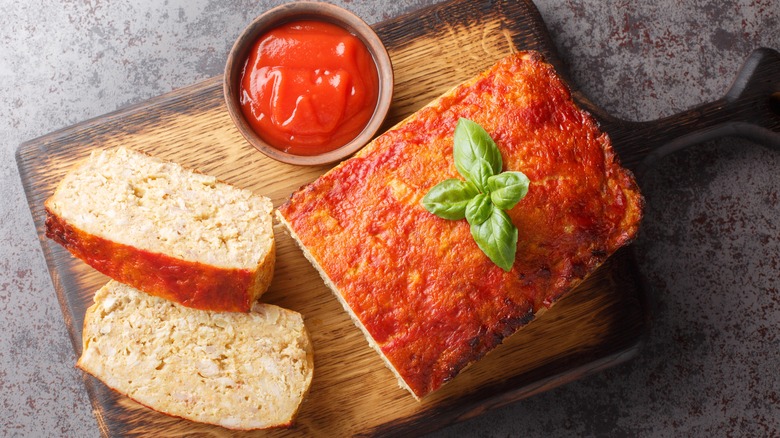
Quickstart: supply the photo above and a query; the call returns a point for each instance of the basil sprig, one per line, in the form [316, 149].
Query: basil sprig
[484, 195]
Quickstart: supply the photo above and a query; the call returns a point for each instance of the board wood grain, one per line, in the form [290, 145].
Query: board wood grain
[598, 325]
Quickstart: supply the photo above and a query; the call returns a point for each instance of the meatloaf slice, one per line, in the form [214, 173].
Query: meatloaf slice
[233, 369]
[166, 230]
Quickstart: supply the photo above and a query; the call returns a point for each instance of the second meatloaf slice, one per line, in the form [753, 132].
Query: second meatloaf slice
[237, 370]
[166, 230]
[424, 294]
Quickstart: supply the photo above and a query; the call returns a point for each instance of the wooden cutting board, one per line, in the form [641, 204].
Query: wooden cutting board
[598, 325]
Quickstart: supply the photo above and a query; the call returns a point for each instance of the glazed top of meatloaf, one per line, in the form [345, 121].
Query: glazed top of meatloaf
[430, 301]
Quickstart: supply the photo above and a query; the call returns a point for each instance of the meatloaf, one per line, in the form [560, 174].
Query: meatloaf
[427, 299]
[167, 230]
[233, 369]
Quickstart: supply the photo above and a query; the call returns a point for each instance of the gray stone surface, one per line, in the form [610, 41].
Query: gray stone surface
[709, 245]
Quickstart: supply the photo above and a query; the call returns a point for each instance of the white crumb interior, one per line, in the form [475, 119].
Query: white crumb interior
[134, 199]
[237, 370]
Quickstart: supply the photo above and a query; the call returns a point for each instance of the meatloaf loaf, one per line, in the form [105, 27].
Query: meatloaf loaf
[164, 229]
[233, 369]
[418, 286]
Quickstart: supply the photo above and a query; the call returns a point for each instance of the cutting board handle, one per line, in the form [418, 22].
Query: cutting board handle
[750, 109]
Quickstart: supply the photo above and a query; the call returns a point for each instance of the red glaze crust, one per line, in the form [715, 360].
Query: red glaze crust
[191, 284]
[419, 285]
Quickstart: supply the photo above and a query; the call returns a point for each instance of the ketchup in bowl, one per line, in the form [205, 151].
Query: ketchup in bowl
[308, 87]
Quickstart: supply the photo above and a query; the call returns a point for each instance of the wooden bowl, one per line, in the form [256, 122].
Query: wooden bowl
[307, 11]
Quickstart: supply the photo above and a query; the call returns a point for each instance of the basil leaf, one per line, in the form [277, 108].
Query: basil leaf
[478, 209]
[507, 189]
[476, 155]
[449, 198]
[485, 195]
[497, 238]
[481, 171]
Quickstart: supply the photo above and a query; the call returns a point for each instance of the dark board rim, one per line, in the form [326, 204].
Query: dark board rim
[749, 108]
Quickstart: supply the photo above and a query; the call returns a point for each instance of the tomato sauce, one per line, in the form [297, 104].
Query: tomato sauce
[309, 87]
